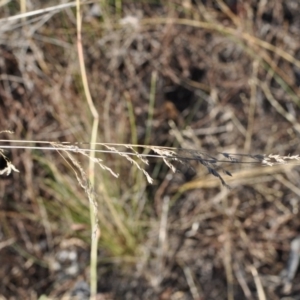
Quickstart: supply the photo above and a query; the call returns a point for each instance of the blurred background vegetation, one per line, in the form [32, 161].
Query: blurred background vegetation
[211, 75]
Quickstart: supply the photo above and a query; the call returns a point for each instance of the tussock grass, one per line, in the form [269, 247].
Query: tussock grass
[191, 75]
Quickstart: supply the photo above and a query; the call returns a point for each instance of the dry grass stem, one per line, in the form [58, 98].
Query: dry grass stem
[9, 166]
[56, 8]
[123, 154]
[260, 289]
[83, 152]
[165, 154]
[84, 183]
[213, 164]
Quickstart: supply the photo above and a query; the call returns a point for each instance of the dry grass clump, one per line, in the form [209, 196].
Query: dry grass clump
[222, 76]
